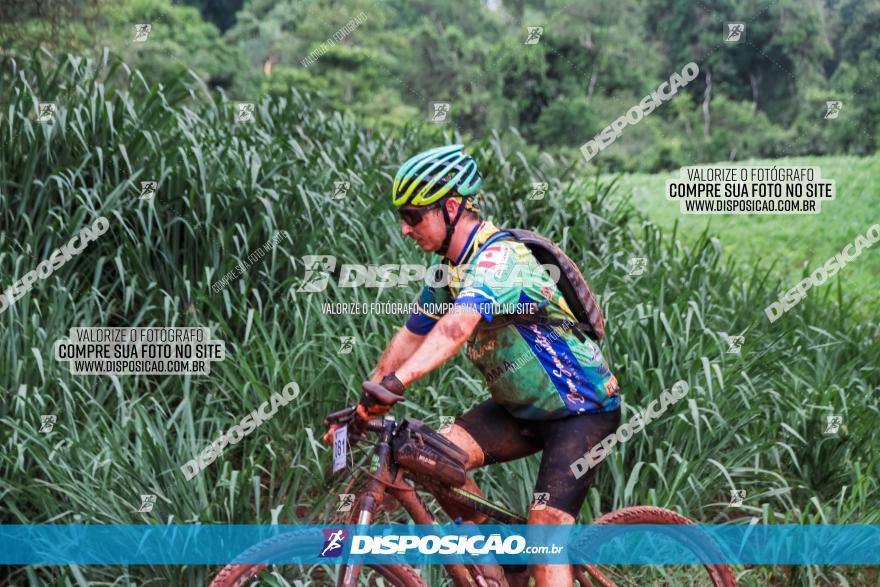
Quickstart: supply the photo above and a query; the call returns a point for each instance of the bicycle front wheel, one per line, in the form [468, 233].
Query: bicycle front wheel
[237, 574]
[391, 575]
[716, 575]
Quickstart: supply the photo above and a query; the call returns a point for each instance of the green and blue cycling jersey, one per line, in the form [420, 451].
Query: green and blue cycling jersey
[536, 371]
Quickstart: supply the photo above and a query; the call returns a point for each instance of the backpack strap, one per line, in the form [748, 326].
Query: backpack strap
[501, 234]
[540, 317]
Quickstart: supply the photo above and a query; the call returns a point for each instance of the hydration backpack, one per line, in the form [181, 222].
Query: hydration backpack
[572, 285]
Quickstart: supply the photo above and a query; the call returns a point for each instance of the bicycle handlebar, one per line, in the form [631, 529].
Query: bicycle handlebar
[343, 416]
[349, 417]
[373, 394]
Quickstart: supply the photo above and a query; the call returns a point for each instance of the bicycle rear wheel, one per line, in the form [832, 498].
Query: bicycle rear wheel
[717, 575]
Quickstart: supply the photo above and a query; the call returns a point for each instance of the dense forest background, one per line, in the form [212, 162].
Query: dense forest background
[764, 96]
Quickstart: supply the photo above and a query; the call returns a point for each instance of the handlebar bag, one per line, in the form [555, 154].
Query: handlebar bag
[426, 452]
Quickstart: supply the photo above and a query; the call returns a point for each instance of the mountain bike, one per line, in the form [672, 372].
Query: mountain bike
[397, 472]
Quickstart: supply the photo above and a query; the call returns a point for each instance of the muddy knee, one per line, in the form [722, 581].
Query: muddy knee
[460, 438]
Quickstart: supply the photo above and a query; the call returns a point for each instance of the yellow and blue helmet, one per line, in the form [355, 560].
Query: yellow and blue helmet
[434, 174]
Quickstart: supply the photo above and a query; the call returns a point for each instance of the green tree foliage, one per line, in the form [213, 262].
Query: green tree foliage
[762, 97]
[179, 40]
[220, 12]
[26, 25]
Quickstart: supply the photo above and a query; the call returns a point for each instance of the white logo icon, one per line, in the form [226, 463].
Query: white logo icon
[141, 32]
[534, 35]
[335, 541]
[340, 188]
[46, 111]
[147, 503]
[538, 190]
[735, 343]
[148, 190]
[245, 112]
[736, 497]
[47, 423]
[540, 500]
[318, 268]
[439, 111]
[832, 109]
[735, 31]
[637, 265]
[446, 423]
[347, 345]
[346, 502]
[833, 424]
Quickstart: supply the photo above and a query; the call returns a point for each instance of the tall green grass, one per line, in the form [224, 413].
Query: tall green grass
[752, 420]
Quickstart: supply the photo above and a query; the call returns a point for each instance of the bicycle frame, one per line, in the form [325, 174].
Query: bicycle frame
[387, 476]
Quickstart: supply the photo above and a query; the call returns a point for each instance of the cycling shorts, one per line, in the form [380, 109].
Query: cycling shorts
[503, 437]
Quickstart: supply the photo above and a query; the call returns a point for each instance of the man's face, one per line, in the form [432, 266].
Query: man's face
[430, 232]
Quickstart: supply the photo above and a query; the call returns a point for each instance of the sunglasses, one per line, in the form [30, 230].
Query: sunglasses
[413, 216]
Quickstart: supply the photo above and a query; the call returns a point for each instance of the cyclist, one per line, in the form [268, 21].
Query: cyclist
[550, 389]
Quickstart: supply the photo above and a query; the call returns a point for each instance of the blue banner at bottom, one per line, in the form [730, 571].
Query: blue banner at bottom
[439, 544]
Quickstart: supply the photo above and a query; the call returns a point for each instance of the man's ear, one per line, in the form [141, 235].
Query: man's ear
[451, 205]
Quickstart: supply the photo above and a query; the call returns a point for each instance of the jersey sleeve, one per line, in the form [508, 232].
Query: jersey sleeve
[491, 281]
[427, 312]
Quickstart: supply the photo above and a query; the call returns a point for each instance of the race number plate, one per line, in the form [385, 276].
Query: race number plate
[340, 448]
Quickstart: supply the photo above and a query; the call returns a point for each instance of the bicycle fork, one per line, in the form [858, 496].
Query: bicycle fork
[373, 494]
[382, 479]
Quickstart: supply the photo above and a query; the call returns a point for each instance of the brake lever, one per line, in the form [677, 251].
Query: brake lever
[342, 417]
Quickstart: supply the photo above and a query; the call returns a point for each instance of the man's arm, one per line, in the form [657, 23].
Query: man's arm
[444, 340]
[402, 346]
